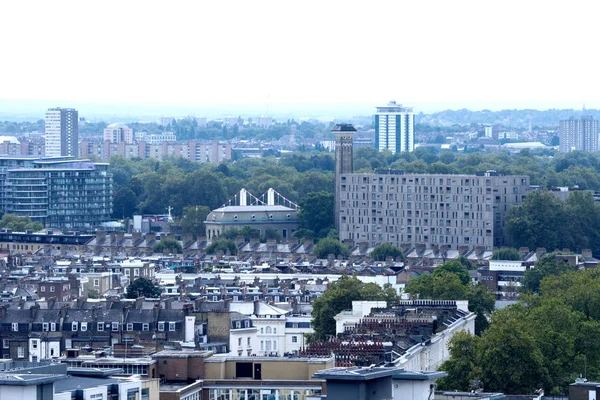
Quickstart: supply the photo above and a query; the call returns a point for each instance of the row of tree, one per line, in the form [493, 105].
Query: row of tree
[546, 341]
[543, 220]
[192, 189]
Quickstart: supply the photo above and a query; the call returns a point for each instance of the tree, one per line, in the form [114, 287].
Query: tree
[508, 358]
[171, 244]
[338, 297]
[124, 202]
[142, 287]
[506, 253]
[327, 246]
[317, 213]
[535, 222]
[382, 251]
[482, 302]
[548, 265]
[461, 365]
[192, 222]
[19, 224]
[222, 244]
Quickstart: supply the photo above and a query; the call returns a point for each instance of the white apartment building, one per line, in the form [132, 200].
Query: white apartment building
[394, 128]
[61, 132]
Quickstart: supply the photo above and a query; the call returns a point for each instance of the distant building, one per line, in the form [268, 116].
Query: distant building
[579, 134]
[57, 192]
[117, 133]
[394, 128]
[154, 138]
[260, 213]
[489, 131]
[62, 132]
[166, 121]
[421, 210]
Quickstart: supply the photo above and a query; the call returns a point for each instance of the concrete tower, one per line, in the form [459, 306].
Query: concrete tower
[343, 161]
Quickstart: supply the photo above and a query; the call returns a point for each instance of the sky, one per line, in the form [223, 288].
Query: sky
[327, 54]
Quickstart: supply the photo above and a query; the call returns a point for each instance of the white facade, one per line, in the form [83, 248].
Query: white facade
[394, 128]
[43, 349]
[52, 133]
[489, 131]
[243, 341]
[61, 132]
[296, 327]
[360, 309]
[432, 355]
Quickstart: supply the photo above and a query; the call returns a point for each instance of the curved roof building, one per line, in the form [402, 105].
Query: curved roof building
[269, 211]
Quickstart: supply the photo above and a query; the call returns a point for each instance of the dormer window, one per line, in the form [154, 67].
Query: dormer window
[238, 324]
[74, 326]
[83, 326]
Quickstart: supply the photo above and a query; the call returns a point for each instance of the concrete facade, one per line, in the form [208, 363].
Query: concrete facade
[422, 210]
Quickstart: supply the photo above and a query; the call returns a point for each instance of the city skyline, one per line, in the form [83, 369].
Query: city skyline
[269, 56]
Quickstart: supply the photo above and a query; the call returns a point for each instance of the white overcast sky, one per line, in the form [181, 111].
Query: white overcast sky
[207, 52]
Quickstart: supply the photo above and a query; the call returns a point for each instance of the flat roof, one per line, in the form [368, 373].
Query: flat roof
[29, 379]
[183, 353]
[218, 359]
[367, 373]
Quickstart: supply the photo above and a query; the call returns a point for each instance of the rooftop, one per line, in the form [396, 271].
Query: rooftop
[372, 372]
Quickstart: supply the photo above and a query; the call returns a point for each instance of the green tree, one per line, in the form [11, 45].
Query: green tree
[192, 222]
[535, 222]
[509, 359]
[506, 253]
[142, 287]
[19, 224]
[171, 244]
[317, 213]
[339, 297]
[223, 245]
[482, 302]
[124, 202]
[546, 266]
[327, 246]
[461, 365]
[382, 251]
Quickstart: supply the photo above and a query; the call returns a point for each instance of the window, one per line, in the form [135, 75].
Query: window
[52, 326]
[145, 327]
[127, 271]
[268, 330]
[65, 287]
[136, 272]
[83, 326]
[129, 327]
[171, 326]
[274, 331]
[161, 326]
[74, 326]
[45, 326]
[5, 343]
[294, 339]
[15, 326]
[34, 344]
[246, 324]
[239, 342]
[238, 324]
[52, 288]
[100, 326]
[20, 352]
[42, 288]
[248, 342]
[262, 330]
[115, 326]
[96, 282]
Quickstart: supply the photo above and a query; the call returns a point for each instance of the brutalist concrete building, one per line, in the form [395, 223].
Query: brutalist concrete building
[421, 210]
